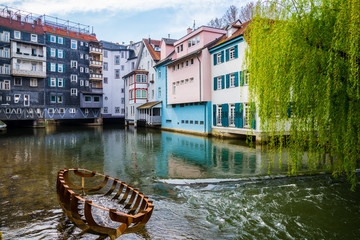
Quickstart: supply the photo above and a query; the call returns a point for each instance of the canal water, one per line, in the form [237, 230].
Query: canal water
[226, 200]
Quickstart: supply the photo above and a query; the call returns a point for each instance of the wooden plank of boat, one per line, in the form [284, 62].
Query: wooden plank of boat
[72, 199]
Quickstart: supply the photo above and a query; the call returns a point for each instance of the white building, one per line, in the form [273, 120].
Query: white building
[118, 60]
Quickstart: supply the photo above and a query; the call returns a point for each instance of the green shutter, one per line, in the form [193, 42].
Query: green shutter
[49, 82]
[227, 55]
[253, 115]
[56, 52]
[222, 56]
[64, 54]
[49, 67]
[48, 38]
[64, 68]
[56, 67]
[236, 79]
[215, 59]
[57, 81]
[215, 83]
[237, 114]
[222, 82]
[225, 115]
[236, 51]
[214, 115]
[241, 78]
[241, 115]
[227, 80]
[49, 53]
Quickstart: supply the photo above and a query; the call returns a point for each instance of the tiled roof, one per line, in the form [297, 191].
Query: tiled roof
[22, 26]
[169, 41]
[135, 71]
[168, 58]
[67, 33]
[154, 54]
[148, 105]
[239, 32]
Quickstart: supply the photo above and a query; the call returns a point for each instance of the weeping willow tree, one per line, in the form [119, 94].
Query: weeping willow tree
[304, 60]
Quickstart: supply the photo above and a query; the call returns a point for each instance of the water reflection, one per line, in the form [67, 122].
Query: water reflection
[31, 158]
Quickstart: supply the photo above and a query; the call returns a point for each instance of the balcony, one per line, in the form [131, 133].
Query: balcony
[97, 64]
[96, 85]
[96, 76]
[28, 73]
[95, 50]
[29, 56]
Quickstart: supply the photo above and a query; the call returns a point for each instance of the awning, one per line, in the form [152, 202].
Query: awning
[149, 105]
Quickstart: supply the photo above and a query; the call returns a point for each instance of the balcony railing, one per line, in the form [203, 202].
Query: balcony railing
[28, 73]
[96, 63]
[95, 50]
[96, 76]
[29, 56]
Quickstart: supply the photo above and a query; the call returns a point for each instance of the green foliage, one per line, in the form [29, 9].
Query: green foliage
[307, 53]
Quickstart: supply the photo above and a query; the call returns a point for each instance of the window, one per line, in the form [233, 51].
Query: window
[105, 54]
[105, 110]
[122, 67]
[174, 88]
[72, 110]
[73, 92]
[16, 98]
[105, 67]
[87, 99]
[218, 55]
[159, 92]
[117, 73]
[6, 36]
[73, 78]
[7, 69]
[86, 70]
[132, 66]
[232, 115]
[86, 83]
[117, 59]
[50, 111]
[61, 110]
[141, 94]
[81, 43]
[33, 67]
[81, 69]
[141, 78]
[122, 90]
[86, 44]
[122, 100]
[8, 98]
[232, 80]
[73, 44]
[60, 53]
[192, 61]
[17, 35]
[81, 56]
[60, 67]
[52, 67]
[122, 54]
[52, 82]
[86, 111]
[74, 64]
[6, 52]
[33, 82]
[247, 115]
[81, 83]
[117, 110]
[232, 53]
[33, 52]
[33, 38]
[105, 80]
[17, 82]
[52, 52]
[60, 40]
[60, 82]
[219, 114]
[52, 38]
[26, 100]
[86, 56]
[96, 99]
[219, 82]
[159, 74]
[59, 98]
[246, 77]
[52, 99]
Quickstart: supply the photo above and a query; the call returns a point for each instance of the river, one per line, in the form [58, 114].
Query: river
[162, 164]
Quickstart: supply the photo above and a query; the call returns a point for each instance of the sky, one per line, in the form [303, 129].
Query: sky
[122, 21]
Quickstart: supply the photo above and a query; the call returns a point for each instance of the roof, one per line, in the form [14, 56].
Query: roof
[135, 71]
[169, 41]
[241, 31]
[112, 46]
[154, 54]
[148, 105]
[21, 25]
[91, 93]
[168, 58]
[67, 33]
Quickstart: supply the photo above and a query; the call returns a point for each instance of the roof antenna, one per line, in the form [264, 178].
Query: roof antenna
[194, 25]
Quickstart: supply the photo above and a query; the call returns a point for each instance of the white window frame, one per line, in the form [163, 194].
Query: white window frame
[52, 67]
[17, 34]
[59, 98]
[81, 56]
[53, 38]
[26, 100]
[219, 115]
[60, 53]
[60, 40]
[246, 77]
[6, 68]
[74, 78]
[218, 56]
[60, 67]
[219, 82]
[60, 82]
[33, 67]
[73, 92]
[52, 52]
[17, 98]
[52, 82]
[73, 44]
[33, 82]
[72, 110]
[81, 83]
[86, 70]
[6, 36]
[247, 113]
[232, 115]
[34, 38]
[232, 80]
[232, 53]
[6, 52]
[6, 85]
[74, 64]
[17, 78]
[86, 83]
[81, 69]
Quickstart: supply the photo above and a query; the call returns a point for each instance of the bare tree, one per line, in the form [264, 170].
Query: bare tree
[231, 15]
[246, 12]
[216, 23]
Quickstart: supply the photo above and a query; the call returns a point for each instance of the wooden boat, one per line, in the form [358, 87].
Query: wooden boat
[135, 209]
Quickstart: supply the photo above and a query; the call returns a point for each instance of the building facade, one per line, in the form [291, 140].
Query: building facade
[189, 82]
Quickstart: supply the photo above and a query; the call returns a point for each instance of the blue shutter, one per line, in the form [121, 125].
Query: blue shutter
[49, 67]
[236, 51]
[56, 67]
[48, 38]
[214, 115]
[227, 80]
[241, 78]
[227, 55]
[49, 82]
[236, 79]
[236, 115]
[215, 59]
[241, 115]
[225, 115]
[49, 53]
[64, 54]
[215, 83]
[222, 56]
[64, 68]
[57, 81]
[56, 52]
[222, 82]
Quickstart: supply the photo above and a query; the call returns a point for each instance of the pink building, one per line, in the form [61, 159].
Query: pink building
[189, 74]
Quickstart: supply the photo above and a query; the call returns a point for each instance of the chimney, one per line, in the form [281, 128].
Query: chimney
[39, 21]
[169, 35]
[149, 40]
[131, 42]
[189, 30]
[18, 17]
